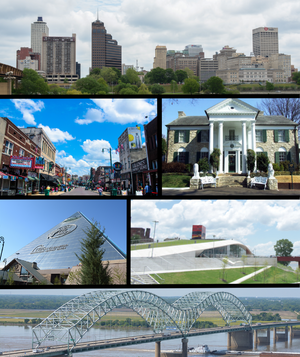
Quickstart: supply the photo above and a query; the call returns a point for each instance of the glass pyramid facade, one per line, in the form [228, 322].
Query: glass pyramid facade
[56, 248]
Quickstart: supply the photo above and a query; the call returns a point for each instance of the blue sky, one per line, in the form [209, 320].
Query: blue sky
[140, 25]
[239, 292]
[38, 216]
[80, 128]
[256, 223]
[194, 107]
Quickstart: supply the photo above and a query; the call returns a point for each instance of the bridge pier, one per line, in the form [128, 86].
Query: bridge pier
[184, 347]
[261, 340]
[157, 348]
[240, 339]
[280, 336]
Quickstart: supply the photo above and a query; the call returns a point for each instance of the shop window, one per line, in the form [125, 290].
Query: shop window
[8, 148]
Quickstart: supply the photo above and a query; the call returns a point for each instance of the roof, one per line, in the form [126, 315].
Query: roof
[181, 249]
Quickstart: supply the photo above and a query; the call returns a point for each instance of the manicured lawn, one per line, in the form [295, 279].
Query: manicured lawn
[204, 277]
[175, 180]
[168, 244]
[274, 276]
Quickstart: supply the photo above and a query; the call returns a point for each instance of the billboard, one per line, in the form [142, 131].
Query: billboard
[134, 137]
[199, 232]
[22, 162]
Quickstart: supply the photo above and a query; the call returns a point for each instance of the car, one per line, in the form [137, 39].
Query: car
[37, 350]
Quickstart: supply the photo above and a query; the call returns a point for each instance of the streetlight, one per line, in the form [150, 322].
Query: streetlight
[109, 150]
[154, 237]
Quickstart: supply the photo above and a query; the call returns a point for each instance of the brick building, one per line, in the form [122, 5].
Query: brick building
[19, 174]
[143, 233]
[150, 130]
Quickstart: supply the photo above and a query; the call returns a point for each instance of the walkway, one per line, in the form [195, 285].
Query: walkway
[250, 275]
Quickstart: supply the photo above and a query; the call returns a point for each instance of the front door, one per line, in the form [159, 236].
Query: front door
[231, 161]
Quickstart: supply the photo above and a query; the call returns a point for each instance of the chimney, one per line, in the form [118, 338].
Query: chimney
[181, 114]
[34, 265]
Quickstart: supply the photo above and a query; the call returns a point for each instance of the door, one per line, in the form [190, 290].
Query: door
[231, 161]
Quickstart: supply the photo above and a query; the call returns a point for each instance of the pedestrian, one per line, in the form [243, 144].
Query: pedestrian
[148, 190]
[100, 191]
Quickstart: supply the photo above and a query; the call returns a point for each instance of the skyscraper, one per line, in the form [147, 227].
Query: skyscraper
[265, 41]
[160, 59]
[105, 51]
[38, 28]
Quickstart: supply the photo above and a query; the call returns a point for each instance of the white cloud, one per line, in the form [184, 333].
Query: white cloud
[94, 150]
[27, 107]
[56, 135]
[120, 111]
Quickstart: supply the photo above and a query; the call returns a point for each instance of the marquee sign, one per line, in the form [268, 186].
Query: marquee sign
[62, 231]
[43, 249]
[22, 162]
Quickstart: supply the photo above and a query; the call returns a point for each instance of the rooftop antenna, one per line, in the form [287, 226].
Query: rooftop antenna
[97, 15]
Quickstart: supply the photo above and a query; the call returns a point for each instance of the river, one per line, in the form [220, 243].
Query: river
[19, 337]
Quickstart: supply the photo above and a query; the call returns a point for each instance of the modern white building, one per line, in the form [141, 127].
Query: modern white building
[38, 29]
[232, 126]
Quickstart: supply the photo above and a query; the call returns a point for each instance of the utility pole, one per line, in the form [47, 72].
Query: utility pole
[154, 237]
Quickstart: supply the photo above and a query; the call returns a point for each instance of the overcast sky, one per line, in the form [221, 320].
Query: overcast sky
[256, 223]
[140, 25]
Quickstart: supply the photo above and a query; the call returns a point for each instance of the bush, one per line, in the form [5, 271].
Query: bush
[215, 158]
[250, 160]
[263, 162]
[157, 89]
[203, 165]
[276, 167]
[188, 167]
[173, 167]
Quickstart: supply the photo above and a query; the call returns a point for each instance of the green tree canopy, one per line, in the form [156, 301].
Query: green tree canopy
[190, 86]
[296, 77]
[144, 89]
[156, 75]
[181, 75]
[89, 85]
[132, 76]
[189, 72]
[157, 89]
[32, 83]
[283, 248]
[214, 85]
[93, 271]
[170, 75]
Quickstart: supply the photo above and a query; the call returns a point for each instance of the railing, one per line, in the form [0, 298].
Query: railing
[232, 138]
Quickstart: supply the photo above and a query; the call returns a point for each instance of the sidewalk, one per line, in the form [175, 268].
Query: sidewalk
[244, 278]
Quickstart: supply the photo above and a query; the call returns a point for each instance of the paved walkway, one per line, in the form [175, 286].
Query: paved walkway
[244, 278]
[228, 191]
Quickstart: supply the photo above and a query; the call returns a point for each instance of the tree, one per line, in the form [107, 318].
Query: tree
[296, 77]
[269, 86]
[157, 75]
[93, 271]
[136, 238]
[214, 159]
[244, 258]
[88, 85]
[174, 86]
[144, 89]
[283, 248]
[157, 89]
[170, 75]
[32, 83]
[250, 160]
[288, 107]
[189, 72]
[190, 86]
[132, 76]
[164, 147]
[224, 264]
[262, 162]
[108, 74]
[203, 165]
[214, 85]
[181, 75]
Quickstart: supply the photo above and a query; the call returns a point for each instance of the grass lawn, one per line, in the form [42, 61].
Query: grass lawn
[170, 243]
[175, 180]
[204, 277]
[274, 276]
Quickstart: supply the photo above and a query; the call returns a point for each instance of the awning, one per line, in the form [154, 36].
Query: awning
[49, 178]
[5, 174]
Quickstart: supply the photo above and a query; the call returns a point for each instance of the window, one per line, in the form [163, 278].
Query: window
[21, 152]
[282, 156]
[8, 148]
[202, 136]
[281, 136]
[181, 136]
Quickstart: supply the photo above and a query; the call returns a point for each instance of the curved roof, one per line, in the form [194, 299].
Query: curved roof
[181, 249]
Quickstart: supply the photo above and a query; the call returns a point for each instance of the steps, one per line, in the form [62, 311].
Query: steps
[232, 180]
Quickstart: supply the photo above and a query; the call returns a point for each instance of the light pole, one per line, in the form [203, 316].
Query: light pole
[154, 237]
[1, 241]
[109, 150]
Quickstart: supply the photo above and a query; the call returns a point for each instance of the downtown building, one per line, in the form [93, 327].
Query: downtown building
[232, 126]
[265, 41]
[53, 254]
[59, 59]
[105, 50]
[160, 57]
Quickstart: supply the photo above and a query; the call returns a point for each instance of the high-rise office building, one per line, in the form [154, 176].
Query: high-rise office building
[105, 51]
[265, 41]
[160, 57]
[38, 29]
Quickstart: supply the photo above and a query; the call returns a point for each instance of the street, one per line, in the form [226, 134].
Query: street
[81, 191]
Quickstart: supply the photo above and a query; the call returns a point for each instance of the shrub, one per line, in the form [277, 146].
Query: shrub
[262, 162]
[173, 167]
[203, 165]
[188, 167]
[215, 158]
[276, 167]
[250, 160]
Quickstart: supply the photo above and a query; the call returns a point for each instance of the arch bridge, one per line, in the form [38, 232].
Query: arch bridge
[70, 322]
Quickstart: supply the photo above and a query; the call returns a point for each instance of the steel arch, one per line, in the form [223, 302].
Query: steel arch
[70, 322]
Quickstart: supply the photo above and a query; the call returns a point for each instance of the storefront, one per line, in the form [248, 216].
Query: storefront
[5, 184]
[138, 177]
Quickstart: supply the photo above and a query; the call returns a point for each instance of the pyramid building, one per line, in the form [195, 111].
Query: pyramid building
[57, 248]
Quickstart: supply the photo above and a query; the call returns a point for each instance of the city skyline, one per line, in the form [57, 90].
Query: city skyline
[152, 24]
[81, 128]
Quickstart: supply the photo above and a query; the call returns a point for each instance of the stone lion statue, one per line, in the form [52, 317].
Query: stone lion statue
[196, 172]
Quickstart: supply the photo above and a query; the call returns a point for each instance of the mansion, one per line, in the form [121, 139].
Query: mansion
[232, 126]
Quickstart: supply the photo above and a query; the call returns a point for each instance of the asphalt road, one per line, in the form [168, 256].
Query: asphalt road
[80, 191]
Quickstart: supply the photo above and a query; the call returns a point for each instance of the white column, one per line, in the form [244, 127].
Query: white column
[253, 139]
[221, 146]
[244, 148]
[211, 140]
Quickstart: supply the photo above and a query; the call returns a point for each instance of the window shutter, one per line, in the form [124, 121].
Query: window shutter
[176, 136]
[187, 154]
[187, 136]
[289, 156]
[277, 158]
[264, 136]
[175, 157]
[286, 136]
[198, 156]
[199, 136]
[265, 152]
[276, 136]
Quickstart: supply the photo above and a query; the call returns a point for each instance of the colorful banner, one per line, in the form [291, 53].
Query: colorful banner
[22, 162]
[134, 137]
